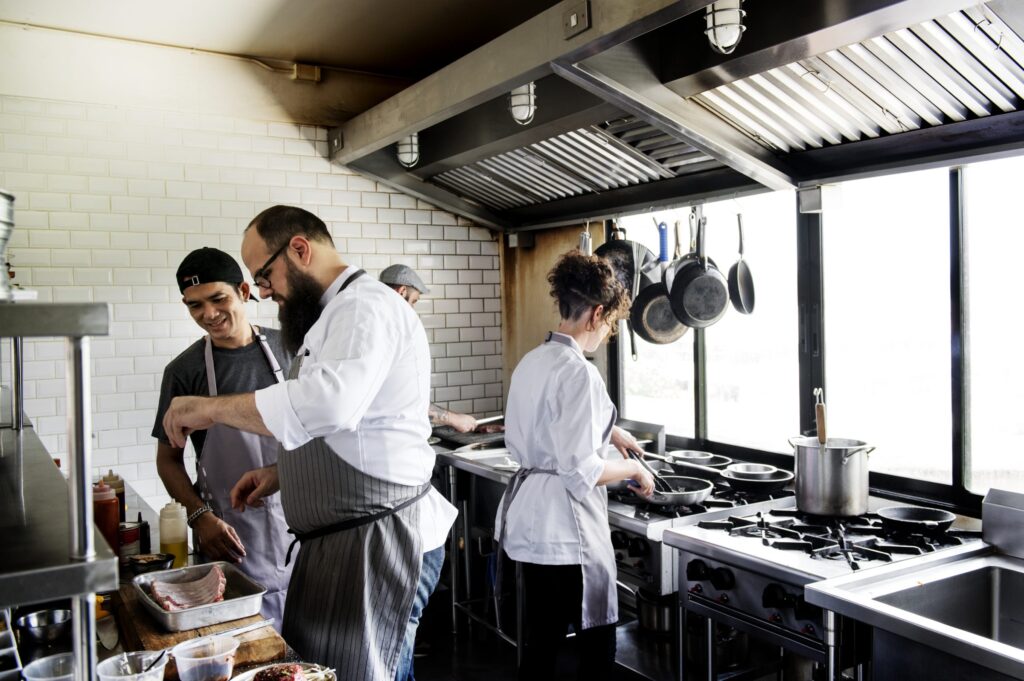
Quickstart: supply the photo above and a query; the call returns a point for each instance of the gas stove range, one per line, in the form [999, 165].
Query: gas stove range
[748, 570]
[642, 559]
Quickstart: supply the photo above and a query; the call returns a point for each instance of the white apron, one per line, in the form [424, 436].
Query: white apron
[600, 598]
[228, 453]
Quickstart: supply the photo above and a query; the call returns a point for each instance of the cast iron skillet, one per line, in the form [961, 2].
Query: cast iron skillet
[915, 518]
[651, 313]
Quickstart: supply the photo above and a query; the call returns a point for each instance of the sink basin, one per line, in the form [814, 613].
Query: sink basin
[988, 602]
[967, 602]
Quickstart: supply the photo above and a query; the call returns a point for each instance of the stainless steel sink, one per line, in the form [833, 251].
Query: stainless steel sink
[988, 602]
[967, 601]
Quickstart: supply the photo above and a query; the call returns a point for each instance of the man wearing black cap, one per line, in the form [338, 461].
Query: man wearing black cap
[234, 357]
[406, 283]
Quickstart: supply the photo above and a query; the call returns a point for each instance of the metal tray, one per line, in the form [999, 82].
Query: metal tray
[242, 597]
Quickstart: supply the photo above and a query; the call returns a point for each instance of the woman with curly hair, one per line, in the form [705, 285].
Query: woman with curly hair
[553, 518]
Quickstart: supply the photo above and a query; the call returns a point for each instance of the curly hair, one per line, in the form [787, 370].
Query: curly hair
[580, 282]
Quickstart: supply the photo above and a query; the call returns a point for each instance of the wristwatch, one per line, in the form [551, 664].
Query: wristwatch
[194, 516]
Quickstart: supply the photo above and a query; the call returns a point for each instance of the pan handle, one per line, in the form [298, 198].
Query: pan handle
[847, 455]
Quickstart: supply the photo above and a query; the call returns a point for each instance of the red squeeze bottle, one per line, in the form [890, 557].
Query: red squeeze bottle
[106, 514]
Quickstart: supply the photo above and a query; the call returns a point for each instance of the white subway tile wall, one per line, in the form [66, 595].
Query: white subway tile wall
[110, 199]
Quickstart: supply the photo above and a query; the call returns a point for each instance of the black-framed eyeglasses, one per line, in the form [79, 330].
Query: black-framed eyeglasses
[261, 277]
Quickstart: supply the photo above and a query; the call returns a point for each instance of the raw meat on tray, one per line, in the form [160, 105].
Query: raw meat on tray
[174, 596]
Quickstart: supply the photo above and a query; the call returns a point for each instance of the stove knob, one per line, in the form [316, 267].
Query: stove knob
[722, 578]
[775, 617]
[697, 570]
[775, 597]
[809, 630]
[723, 598]
[696, 589]
[619, 539]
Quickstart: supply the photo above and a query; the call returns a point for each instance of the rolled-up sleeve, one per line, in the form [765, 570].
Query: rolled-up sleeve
[338, 380]
[576, 433]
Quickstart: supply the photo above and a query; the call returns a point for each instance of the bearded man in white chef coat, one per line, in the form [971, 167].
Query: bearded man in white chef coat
[354, 468]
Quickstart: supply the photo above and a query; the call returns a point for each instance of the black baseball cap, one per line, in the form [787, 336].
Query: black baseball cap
[207, 265]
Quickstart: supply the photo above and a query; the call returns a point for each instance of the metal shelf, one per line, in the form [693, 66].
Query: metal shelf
[35, 564]
[25, 320]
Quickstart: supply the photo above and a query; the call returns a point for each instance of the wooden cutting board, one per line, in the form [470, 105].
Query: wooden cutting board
[139, 631]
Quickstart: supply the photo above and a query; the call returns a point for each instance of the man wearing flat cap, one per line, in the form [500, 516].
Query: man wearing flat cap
[233, 357]
[404, 280]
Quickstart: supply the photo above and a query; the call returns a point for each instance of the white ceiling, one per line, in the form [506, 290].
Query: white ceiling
[404, 38]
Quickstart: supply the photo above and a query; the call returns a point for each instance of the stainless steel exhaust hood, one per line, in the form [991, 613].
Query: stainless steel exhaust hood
[637, 111]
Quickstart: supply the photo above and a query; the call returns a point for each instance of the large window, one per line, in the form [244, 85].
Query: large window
[752, 364]
[887, 320]
[995, 250]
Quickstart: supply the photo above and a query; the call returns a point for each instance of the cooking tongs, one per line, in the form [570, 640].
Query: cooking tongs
[666, 487]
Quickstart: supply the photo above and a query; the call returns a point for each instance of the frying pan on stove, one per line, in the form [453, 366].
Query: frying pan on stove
[686, 491]
[774, 483]
[915, 518]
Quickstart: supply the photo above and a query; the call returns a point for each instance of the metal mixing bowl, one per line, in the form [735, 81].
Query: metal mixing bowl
[44, 626]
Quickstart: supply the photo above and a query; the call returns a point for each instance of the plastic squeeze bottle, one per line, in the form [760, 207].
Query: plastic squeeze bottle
[104, 513]
[174, 533]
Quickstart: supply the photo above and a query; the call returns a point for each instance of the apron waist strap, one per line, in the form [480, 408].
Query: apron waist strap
[351, 523]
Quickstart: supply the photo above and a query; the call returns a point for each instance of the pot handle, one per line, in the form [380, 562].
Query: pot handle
[791, 443]
[866, 450]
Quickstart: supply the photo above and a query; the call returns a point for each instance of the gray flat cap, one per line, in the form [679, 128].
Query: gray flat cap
[403, 275]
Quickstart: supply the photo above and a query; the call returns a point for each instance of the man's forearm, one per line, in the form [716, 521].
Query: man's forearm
[171, 469]
[238, 411]
[439, 416]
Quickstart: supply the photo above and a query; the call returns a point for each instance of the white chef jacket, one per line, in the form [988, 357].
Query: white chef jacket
[557, 414]
[364, 387]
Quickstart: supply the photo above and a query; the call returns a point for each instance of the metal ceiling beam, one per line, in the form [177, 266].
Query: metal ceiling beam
[623, 76]
[489, 130]
[679, 191]
[383, 167]
[514, 58]
[943, 145]
[776, 37]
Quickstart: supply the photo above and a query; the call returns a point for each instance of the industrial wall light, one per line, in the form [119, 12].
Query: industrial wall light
[522, 103]
[724, 25]
[409, 150]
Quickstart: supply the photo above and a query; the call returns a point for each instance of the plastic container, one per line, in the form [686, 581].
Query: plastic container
[116, 482]
[206, 659]
[174, 533]
[53, 668]
[131, 666]
[105, 514]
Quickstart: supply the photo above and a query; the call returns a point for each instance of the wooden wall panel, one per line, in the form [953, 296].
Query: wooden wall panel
[528, 311]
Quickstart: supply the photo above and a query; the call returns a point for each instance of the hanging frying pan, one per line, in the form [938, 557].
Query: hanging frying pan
[621, 253]
[699, 293]
[651, 314]
[741, 282]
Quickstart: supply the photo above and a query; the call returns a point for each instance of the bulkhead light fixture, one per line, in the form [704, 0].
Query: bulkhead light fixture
[408, 149]
[522, 103]
[724, 25]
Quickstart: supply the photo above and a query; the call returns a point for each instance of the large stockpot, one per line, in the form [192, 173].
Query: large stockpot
[831, 480]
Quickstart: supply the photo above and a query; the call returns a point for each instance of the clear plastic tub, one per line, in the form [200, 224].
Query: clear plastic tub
[53, 668]
[206, 659]
[132, 666]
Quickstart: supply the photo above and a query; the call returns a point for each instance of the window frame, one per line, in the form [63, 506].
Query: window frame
[811, 356]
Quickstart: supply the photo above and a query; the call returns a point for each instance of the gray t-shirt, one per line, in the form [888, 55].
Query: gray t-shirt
[238, 370]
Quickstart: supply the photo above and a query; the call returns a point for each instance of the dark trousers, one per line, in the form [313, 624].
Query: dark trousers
[552, 601]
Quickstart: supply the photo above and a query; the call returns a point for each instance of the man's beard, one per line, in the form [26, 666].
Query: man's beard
[300, 310]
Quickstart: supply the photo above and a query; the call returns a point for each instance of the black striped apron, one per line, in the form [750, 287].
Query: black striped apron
[358, 566]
